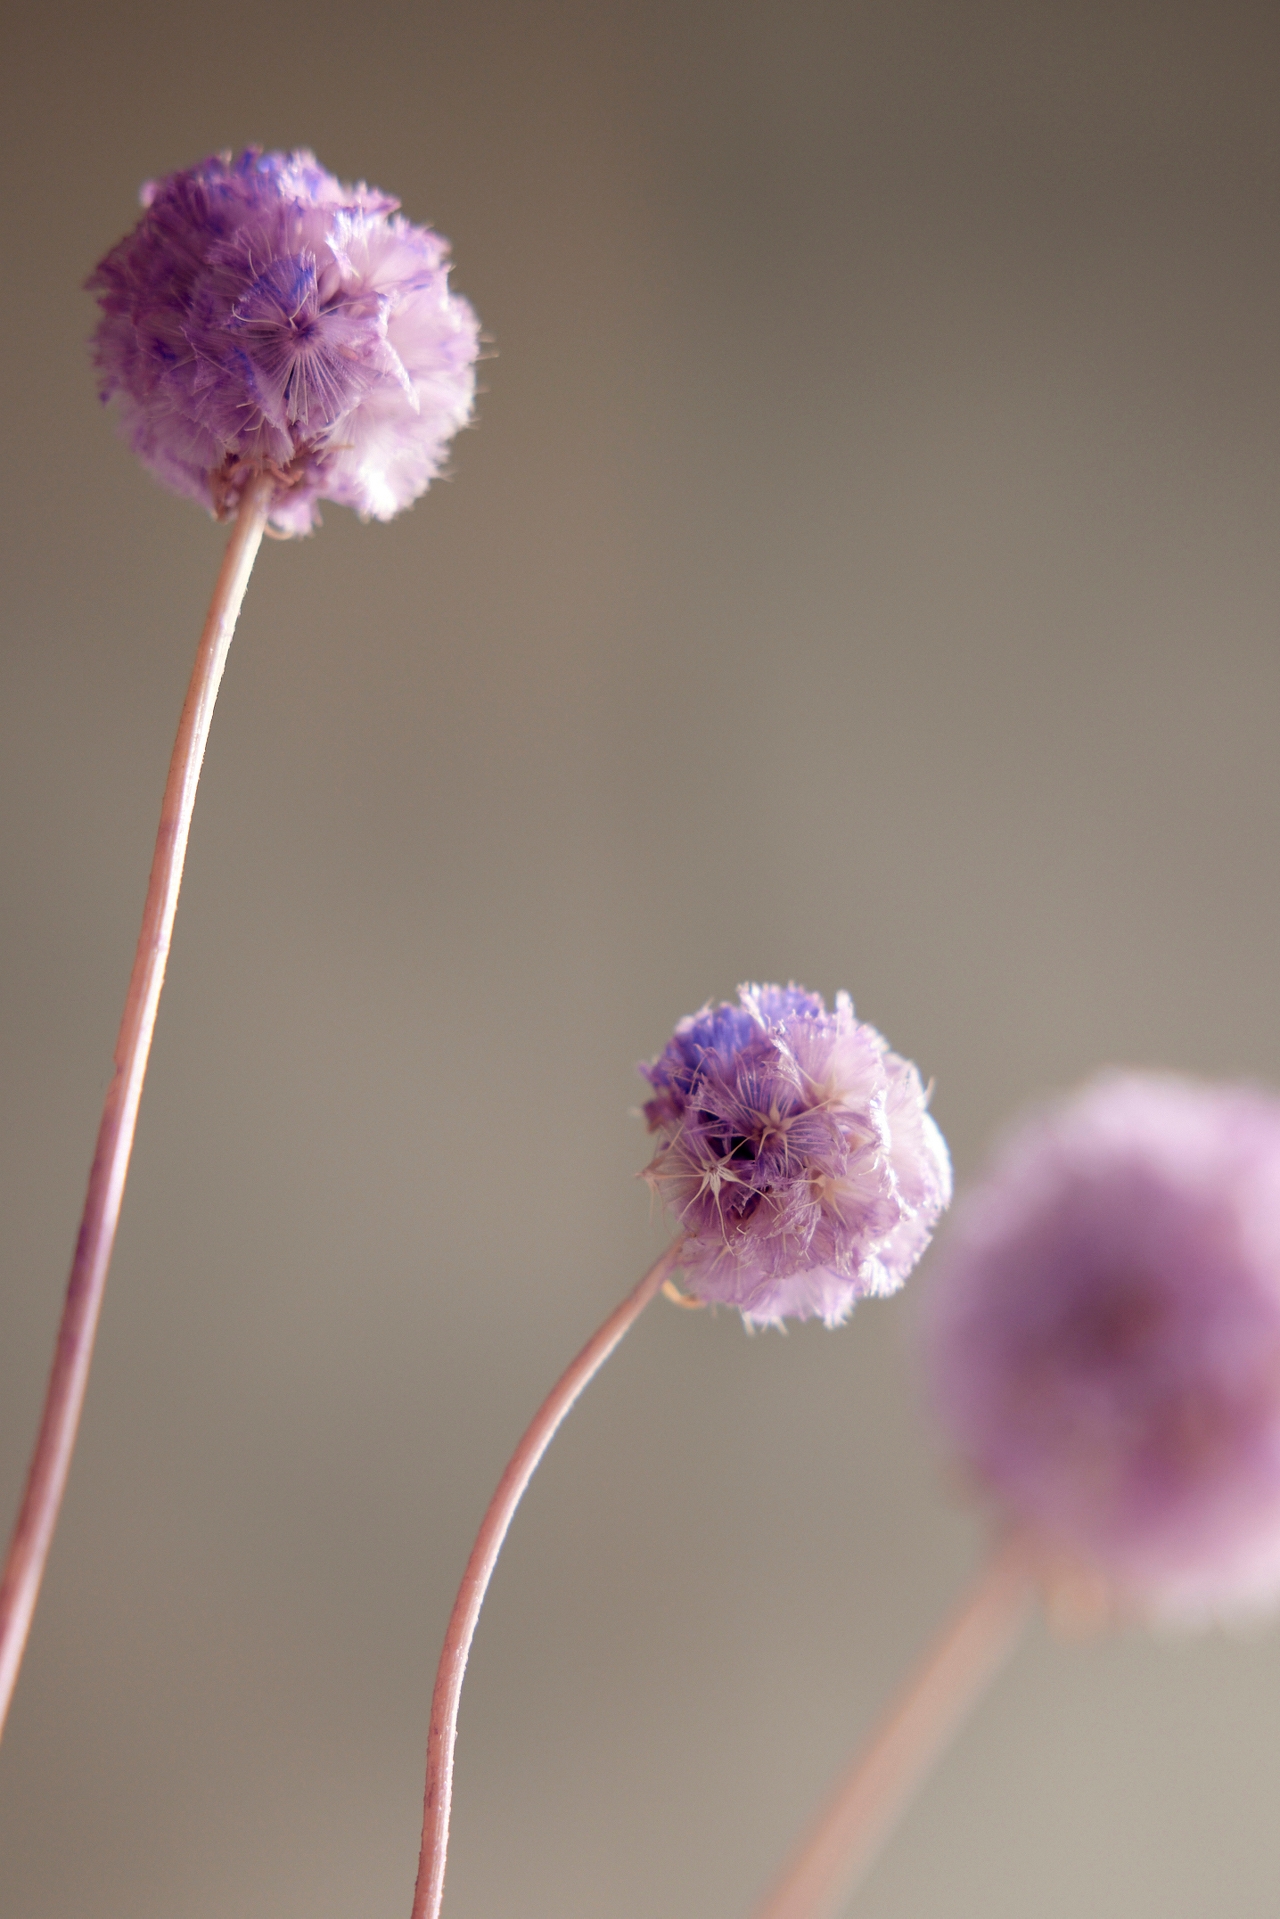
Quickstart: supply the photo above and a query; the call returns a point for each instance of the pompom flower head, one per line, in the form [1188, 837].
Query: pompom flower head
[1104, 1339]
[796, 1154]
[264, 318]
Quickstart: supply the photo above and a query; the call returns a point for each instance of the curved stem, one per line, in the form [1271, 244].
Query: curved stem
[868, 1802]
[64, 1397]
[429, 1891]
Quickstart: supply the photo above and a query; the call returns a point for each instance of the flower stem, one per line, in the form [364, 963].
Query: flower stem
[64, 1397]
[868, 1802]
[443, 1734]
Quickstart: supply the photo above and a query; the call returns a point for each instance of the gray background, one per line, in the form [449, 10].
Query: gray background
[864, 571]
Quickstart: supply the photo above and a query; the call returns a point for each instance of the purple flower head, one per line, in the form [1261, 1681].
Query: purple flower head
[263, 317]
[1103, 1338]
[796, 1155]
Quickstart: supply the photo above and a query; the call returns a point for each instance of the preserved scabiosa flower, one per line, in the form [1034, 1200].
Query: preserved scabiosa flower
[263, 318]
[1104, 1339]
[803, 1171]
[273, 338]
[795, 1153]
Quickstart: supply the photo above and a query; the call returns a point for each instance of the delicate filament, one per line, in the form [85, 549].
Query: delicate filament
[868, 1802]
[64, 1397]
[475, 1580]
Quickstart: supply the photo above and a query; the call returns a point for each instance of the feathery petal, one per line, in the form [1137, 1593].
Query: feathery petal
[795, 1153]
[263, 316]
[1103, 1338]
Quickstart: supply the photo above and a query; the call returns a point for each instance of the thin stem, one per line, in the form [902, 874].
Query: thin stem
[51, 1460]
[868, 1802]
[429, 1891]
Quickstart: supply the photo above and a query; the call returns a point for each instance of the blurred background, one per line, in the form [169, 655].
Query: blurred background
[864, 572]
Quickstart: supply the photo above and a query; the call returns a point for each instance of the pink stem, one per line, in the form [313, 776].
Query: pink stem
[875, 1792]
[51, 1460]
[429, 1891]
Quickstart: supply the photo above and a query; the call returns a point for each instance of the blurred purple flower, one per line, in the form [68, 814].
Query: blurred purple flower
[796, 1155]
[262, 316]
[1103, 1338]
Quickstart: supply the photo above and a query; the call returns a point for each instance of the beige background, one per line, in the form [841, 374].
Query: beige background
[864, 571]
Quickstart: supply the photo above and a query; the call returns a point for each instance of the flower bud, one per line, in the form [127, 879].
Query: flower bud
[795, 1154]
[1103, 1338]
[264, 318]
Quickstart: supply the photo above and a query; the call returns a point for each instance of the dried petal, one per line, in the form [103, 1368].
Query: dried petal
[263, 317]
[1104, 1337]
[796, 1155]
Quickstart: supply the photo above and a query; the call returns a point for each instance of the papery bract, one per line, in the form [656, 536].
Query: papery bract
[1103, 1338]
[796, 1154]
[263, 317]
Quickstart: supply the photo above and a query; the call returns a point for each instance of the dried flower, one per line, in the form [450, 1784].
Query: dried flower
[796, 1154]
[264, 317]
[1104, 1338]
